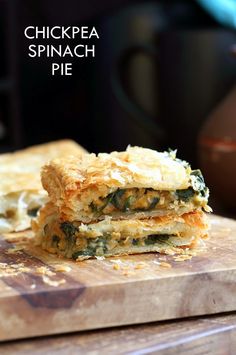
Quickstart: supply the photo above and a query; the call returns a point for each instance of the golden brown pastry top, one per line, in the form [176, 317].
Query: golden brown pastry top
[20, 170]
[92, 175]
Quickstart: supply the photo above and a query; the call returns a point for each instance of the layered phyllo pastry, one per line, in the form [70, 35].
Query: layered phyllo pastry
[135, 201]
[21, 191]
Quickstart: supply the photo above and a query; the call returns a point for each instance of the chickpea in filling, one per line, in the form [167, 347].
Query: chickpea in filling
[74, 247]
[138, 200]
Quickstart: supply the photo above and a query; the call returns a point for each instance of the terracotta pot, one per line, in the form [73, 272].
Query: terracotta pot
[217, 150]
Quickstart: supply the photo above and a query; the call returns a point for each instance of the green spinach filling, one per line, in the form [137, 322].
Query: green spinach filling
[143, 200]
[198, 183]
[68, 229]
[101, 245]
[96, 247]
[185, 195]
[124, 200]
[154, 238]
[33, 212]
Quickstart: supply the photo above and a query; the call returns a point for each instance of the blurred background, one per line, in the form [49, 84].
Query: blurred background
[163, 77]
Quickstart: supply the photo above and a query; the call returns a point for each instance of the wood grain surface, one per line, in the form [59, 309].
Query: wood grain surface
[38, 299]
[197, 336]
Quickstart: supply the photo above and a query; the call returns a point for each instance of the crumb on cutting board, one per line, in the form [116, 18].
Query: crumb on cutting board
[16, 269]
[51, 282]
[44, 270]
[116, 267]
[140, 265]
[182, 257]
[62, 268]
[12, 269]
[156, 262]
[126, 267]
[165, 265]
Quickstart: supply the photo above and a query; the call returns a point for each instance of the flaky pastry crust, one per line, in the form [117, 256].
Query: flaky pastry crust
[21, 191]
[20, 170]
[72, 184]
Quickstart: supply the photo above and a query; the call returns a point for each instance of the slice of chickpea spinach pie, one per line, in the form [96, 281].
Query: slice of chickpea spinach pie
[135, 201]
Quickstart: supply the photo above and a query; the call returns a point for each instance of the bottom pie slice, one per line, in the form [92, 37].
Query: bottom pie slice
[166, 234]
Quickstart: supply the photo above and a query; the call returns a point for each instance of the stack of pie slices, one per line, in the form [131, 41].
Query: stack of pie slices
[129, 202]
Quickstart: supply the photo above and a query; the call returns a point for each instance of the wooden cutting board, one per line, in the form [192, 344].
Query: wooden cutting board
[36, 298]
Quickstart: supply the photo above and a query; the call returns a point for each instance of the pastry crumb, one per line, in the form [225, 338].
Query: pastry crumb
[156, 262]
[53, 283]
[62, 268]
[116, 267]
[165, 265]
[43, 270]
[13, 269]
[182, 257]
[140, 265]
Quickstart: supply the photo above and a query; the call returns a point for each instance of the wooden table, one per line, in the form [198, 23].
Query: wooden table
[197, 336]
